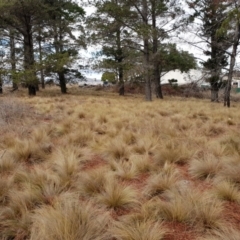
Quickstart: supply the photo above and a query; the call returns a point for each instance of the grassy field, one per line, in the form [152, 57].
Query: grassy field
[92, 165]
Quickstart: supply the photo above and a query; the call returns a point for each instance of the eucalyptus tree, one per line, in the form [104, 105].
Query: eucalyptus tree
[210, 15]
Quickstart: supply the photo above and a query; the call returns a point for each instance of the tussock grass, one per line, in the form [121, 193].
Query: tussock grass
[145, 145]
[93, 182]
[231, 144]
[116, 150]
[8, 141]
[66, 166]
[201, 210]
[130, 138]
[15, 220]
[227, 190]
[173, 152]
[30, 152]
[142, 163]
[55, 184]
[12, 111]
[134, 226]
[81, 138]
[228, 233]
[125, 169]
[116, 195]
[160, 182]
[62, 128]
[204, 168]
[7, 163]
[4, 190]
[69, 219]
[230, 170]
[38, 186]
[214, 130]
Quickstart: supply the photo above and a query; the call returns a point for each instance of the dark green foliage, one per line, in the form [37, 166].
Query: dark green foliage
[212, 14]
[170, 58]
[109, 77]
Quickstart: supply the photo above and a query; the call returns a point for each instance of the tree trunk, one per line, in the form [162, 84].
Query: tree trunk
[40, 59]
[148, 89]
[148, 85]
[214, 86]
[42, 79]
[1, 90]
[121, 89]
[119, 59]
[37, 87]
[228, 90]
[13, 58]
[158, 90]
[29, 62]
[214, 95]
[155, 43]
[157, 80]
[232, 64]
[31, 90]
[62, 82]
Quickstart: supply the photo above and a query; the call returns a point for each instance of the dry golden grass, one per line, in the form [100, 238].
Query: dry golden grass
[207, 167]
[158, 183]
[69, 219]
[135, 226]
[228, 191]
[173, 152]
[229, 233]
[7, 163]
[5, 185]
[201, 210]
[93, 182]
[116, 195]
[91, 165]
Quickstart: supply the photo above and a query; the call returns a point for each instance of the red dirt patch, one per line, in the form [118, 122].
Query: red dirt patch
[179, 231]
[202, 185]
[138, 182]
[118, 212]
[95, 162]
[232, 213]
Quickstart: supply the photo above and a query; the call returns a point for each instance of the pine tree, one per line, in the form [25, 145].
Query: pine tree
[212, 13]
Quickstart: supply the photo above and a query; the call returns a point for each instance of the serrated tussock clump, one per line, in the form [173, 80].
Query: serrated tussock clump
[92, 165]
[159, 183]
[116, 195]
[208, 167]
[135, 226]
[203, 211]
[69, 219]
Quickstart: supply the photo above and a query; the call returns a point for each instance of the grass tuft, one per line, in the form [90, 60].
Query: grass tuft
[205, 168]
[134, 227]
[116, 195]
[173, 152]
[92, 182]
[159, 183]
[69, 219]
[228, 191]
